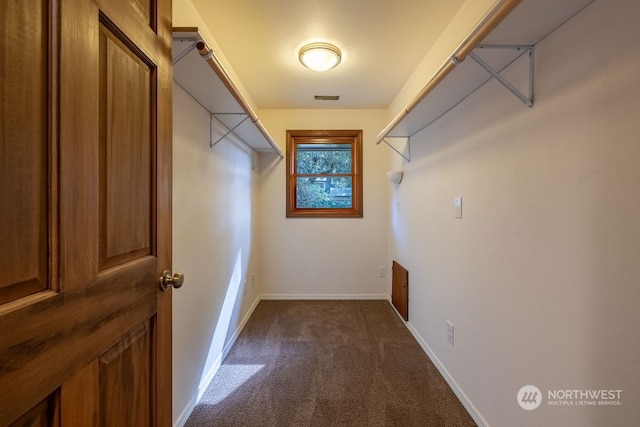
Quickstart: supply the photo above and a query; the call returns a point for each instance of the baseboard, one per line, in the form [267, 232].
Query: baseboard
[324, 297]
[204, 384]
[462, 397]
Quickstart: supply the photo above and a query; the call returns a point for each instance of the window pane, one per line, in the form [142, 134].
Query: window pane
[324, 174]
[323, 158]
[323, 192]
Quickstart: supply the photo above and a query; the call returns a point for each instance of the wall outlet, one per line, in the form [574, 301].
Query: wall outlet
[244, 287]
[450, 332]
[253, 280]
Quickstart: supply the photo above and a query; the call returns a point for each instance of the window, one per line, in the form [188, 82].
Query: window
[324, 173]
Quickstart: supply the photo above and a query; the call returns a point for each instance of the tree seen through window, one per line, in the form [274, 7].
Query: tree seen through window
[324, 173]
[326, 180]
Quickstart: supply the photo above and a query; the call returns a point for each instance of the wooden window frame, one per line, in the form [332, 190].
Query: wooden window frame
[353, 137]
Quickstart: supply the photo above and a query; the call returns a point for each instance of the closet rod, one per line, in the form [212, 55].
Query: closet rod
[487, 24]
[207, 54]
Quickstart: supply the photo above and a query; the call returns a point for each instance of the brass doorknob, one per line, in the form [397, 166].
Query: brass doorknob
[167, 280]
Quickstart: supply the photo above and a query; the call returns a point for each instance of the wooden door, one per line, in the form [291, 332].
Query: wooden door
[85, 188]
[400, 290]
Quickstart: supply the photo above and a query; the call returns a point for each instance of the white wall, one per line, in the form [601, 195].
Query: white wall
[214, 245]
[540, 276]
[336, 257]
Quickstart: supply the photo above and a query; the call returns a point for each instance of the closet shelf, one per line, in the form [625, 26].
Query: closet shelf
[199, 72]
[511, 29]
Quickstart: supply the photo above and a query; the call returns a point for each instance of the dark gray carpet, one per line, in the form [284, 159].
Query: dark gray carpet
[327, 363]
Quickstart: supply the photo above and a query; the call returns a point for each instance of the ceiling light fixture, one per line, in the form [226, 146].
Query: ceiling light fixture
[320, 56]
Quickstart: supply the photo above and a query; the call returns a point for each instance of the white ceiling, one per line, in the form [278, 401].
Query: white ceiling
[382, 42]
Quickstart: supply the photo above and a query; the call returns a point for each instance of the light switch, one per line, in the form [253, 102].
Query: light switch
[457, 206]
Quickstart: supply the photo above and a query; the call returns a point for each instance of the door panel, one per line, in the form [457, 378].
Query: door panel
[85, 163]
[79, 397]
[126, 85]
[24, 139]
[125, 380]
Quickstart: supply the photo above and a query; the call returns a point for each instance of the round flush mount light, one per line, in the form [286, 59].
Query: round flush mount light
[320, 56]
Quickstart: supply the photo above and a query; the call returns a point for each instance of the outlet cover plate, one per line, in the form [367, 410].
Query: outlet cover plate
[450, 332]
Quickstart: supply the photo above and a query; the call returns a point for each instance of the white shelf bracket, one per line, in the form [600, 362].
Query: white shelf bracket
[251, 133]
[407, 150]
[527, 100]
[230, 130]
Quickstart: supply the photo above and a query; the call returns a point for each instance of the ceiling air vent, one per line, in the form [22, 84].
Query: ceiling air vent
[326, 97]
